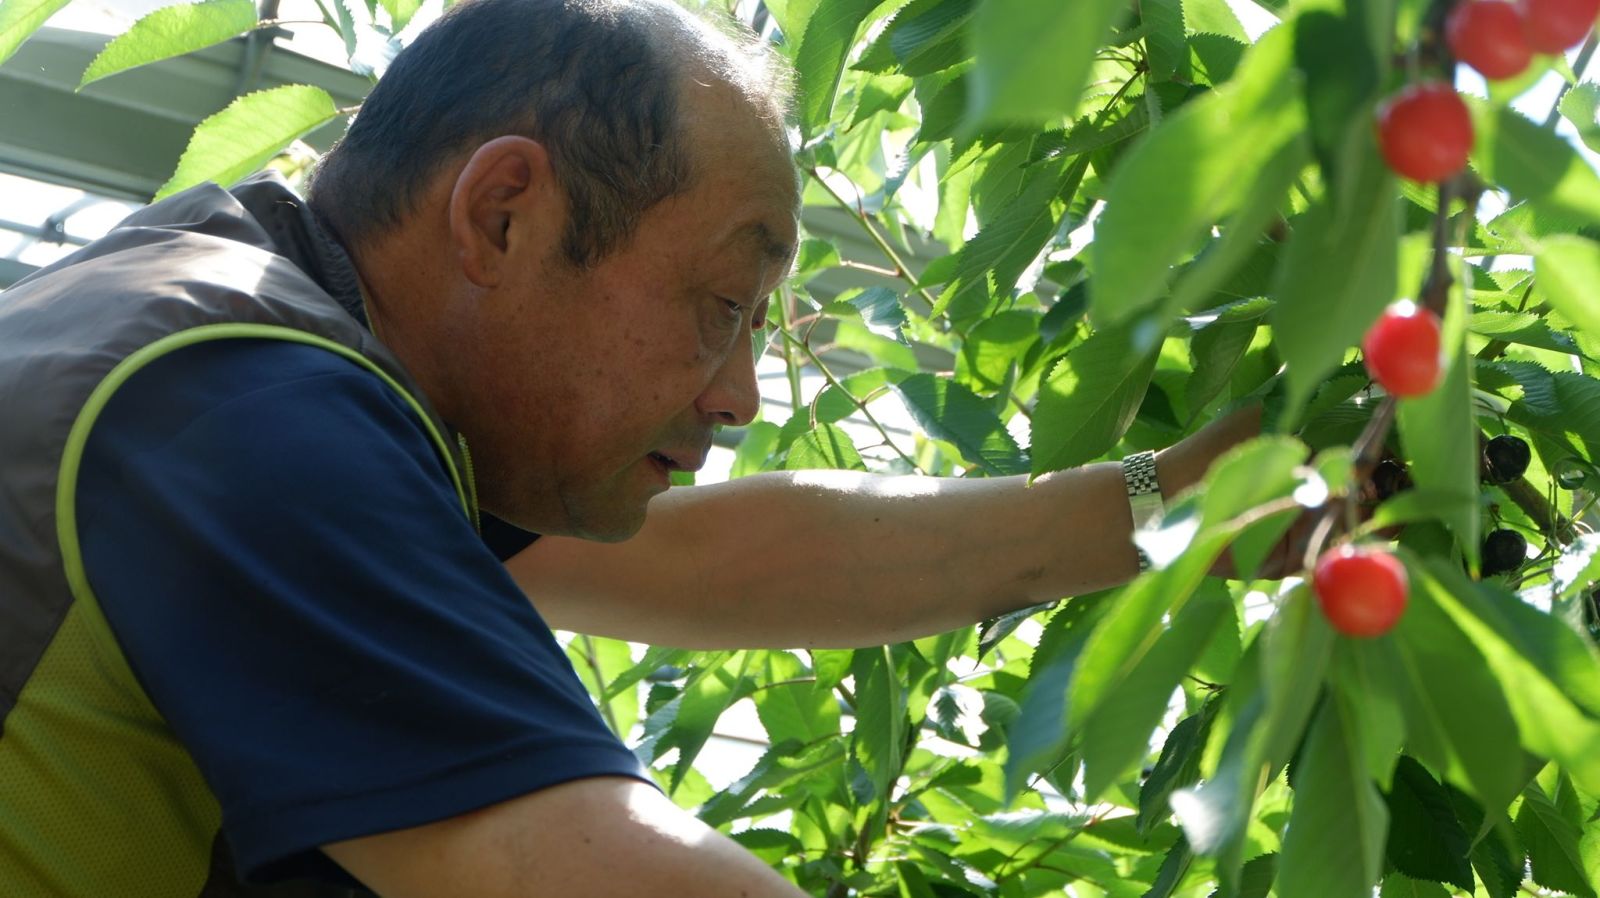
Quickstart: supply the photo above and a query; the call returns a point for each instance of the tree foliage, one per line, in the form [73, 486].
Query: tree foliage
[1147, 217]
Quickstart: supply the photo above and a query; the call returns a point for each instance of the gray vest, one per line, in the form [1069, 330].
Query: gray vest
[97, 798]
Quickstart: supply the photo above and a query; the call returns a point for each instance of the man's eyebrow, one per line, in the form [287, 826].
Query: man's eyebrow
[772, 246]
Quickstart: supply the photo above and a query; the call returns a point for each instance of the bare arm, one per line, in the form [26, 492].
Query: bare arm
[592, 838]
[842, 559]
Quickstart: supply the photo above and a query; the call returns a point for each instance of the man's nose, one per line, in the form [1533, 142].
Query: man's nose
[733, 397]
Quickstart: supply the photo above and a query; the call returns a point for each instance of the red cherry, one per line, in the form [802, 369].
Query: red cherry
[1487, 35]
[1555, 26]
[1362, 590]
[1401, 350]
[1425, 132]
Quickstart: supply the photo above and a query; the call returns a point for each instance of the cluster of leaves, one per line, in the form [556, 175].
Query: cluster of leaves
[1147, 217]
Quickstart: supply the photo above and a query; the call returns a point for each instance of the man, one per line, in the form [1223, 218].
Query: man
[250, 626]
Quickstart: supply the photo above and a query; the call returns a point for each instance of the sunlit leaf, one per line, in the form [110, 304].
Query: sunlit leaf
[172, 31]
[251, 130]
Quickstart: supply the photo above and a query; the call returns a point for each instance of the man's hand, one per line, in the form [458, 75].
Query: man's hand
[592, 838]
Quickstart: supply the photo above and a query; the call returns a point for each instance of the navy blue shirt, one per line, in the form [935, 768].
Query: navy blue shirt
[278, 549]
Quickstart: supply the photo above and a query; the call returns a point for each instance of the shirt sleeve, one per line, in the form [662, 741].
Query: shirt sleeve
[280, 554]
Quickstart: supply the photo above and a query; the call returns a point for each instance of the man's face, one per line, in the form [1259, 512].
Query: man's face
[606, 379]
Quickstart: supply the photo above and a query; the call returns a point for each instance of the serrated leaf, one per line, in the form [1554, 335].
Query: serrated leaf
[948, 411]
[400, 12]
[1086, 135]
[826, 447]
[1034, 56]
[251, 130]
[1363, 681]
[1426, 840]
[1544, 669]
[879, 736]
[1578, 107]
[1217, 349]
[1551, 835]
[1534, 164]
[1178, 766]
[798, 711]
[997, 255]
[819, 56]
[1399, 885]
[172, 31]
[1524, 328]
[1183, 177]
[1341, 269]
[1498, 860]
[1173, 868]
[1036, 736]
[1567, 269]
[1165, 44]
[1441, 438]
[881, 312]
[1334, 844]
[21, 18]
[1089, 400]
[1457, 718]
[1116, 735]
[1255, 878]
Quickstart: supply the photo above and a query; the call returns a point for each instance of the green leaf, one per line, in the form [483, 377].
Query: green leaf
[826, 447]
[400, 11]
[994, 346]
[1441, 438]
[799, 711]
[1281, 675]
[1091, 397]
[1578, 107]
[1165, 45]
[1173, 868]
[172, 31]
[819, 56]
[21, 18]
[1343, 71]
[996, 256]
[1534, 164]
[878, 740]
[1525, 328]
[1426, 840]
[881, 312]
[1256, 877]
[1036, 737]
[1034, 56]
[1541, 665]
[1117, 735]
[1497, 859]
[1457, 717]
[1178, 765]
[251, 130]
[1568, 268]
[1551, 834]
[1183, 177]
[1342, 268]
[926, 36]
[1217, 348]
[1363, 681]
[1399, 885]
[1237, 264]
[686, 722]
[1334, 844]
[948, 411]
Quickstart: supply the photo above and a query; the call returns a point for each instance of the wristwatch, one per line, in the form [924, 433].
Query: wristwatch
[1144, 496]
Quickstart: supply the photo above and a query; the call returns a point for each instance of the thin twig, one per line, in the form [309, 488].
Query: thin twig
[860, 406]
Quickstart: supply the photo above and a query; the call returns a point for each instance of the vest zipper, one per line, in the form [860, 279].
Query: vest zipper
[472, 482]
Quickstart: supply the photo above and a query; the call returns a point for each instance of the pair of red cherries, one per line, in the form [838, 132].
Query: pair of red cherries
[1425, 131]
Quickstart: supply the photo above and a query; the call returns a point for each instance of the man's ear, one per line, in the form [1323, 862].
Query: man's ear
[504, 202]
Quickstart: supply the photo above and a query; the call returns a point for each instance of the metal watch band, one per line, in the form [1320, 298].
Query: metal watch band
[1144, 495]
